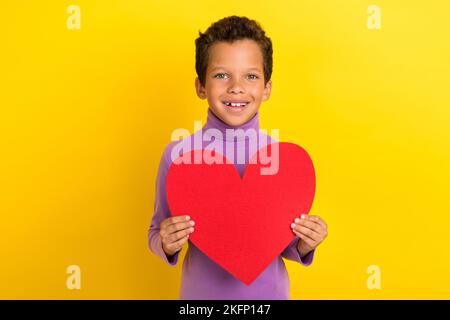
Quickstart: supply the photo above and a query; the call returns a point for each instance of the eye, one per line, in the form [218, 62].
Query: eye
[219, 75]
[253, 76]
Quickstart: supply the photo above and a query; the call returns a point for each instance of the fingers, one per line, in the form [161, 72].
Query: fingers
[173, 228]
[311, 229]
[175, 231]
[177, 245]
[324, 227]
[174, 224]
[313, 222]
[307, 232]
[316, 219]
[173, 220]
[174, 237]
[309, 224]
[310, 242]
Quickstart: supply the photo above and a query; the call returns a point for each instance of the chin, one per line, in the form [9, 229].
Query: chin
[236, 119]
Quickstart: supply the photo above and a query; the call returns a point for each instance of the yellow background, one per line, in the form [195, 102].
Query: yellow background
[86, 114]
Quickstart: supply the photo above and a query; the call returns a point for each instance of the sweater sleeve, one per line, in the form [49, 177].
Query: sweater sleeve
[161, 210]
[291, 253]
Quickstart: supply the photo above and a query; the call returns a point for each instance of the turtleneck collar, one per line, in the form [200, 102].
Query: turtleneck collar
[213, 122]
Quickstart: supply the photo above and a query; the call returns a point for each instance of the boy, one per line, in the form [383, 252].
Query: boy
[234, 66]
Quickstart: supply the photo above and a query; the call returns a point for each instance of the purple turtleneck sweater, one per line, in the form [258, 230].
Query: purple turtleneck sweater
[201, 277]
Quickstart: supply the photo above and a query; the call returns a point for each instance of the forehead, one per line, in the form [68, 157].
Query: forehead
[238, 54]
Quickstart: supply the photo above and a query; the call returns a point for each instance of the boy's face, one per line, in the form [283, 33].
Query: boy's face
[235, 74]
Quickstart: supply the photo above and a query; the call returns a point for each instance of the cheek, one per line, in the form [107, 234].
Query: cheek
[214, 91]
[257, 94]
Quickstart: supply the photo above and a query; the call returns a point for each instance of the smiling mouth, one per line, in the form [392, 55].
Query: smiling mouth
[240, 104]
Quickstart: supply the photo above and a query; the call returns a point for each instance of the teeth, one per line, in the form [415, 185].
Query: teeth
[231, 104]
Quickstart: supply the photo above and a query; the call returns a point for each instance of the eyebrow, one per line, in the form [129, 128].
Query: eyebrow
[220, 67]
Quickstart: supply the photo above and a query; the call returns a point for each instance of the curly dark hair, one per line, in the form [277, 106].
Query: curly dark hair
[229, 29]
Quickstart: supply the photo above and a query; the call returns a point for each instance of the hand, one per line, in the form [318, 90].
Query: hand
[174, 233]
[311, 230]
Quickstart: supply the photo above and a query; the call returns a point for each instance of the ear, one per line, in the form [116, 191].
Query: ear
[201, 92]
[267, 91]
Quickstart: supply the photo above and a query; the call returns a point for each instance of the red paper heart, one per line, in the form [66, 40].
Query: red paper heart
[242, 224]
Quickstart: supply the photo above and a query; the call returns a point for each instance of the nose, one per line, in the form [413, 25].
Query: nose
[236, 87]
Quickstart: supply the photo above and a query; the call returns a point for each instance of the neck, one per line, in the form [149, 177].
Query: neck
[214, 122]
